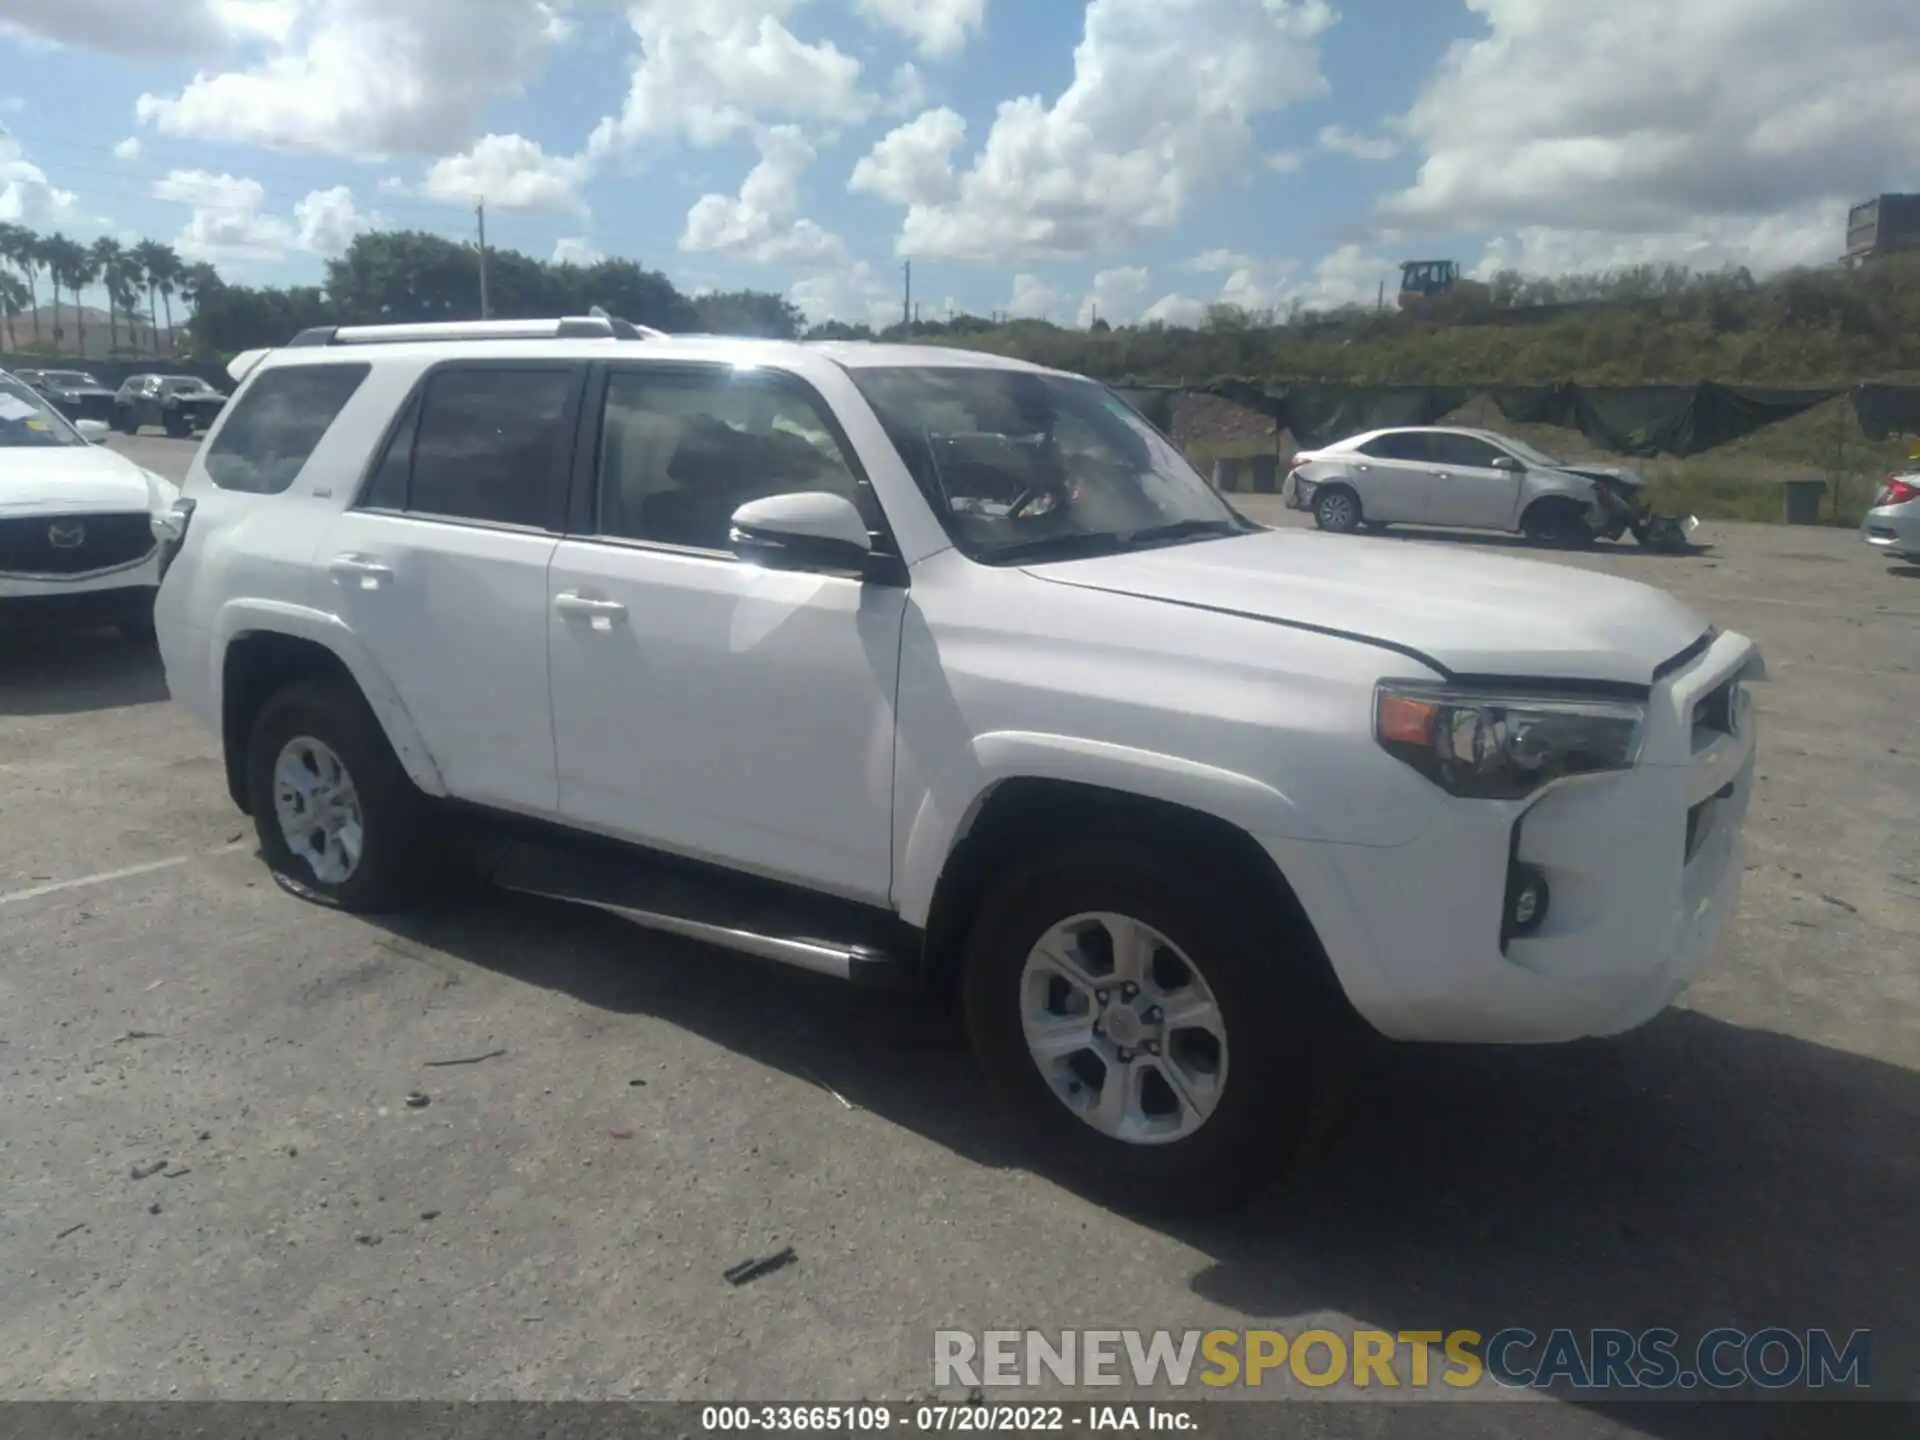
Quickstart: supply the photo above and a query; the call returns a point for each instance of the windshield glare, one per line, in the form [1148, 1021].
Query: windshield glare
[1527, 453]
[29, 422]
[1008, 458]
[67, 377]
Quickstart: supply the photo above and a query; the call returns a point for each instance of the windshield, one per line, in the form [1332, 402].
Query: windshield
[1019, 465]
[1527, 453]
[69, 378]
[181, 384]
[29, 422]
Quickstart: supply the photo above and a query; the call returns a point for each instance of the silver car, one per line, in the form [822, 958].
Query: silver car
[1893, 524]
[1472, 480]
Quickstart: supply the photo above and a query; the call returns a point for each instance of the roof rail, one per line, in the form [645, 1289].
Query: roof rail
[597, 326]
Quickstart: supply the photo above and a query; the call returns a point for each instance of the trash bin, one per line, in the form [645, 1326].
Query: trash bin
[1226, 473]
[1266, 473]
[1803, 501]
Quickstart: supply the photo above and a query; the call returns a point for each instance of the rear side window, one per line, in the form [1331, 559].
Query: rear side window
[478, 444]
[1399, 445]
[276, 425]
[1464, 450]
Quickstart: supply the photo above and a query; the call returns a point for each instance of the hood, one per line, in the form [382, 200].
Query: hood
[76, 390]
[1606, 472]
[1465, 611]
[76, 478]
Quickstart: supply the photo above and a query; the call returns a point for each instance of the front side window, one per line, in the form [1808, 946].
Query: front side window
[486, 442]
[274, 428]
[1022, 465]
[1464, 450]
[680, 451]
[28, 422]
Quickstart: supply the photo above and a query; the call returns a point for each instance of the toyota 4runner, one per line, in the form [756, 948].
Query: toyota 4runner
[912, 664]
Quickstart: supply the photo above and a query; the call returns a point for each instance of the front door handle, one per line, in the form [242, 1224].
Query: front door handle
[359, 571]
[603, 613]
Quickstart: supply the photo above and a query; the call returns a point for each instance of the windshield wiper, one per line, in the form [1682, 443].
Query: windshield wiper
[1182, 530]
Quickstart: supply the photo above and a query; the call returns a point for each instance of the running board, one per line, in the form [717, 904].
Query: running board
[824, 934]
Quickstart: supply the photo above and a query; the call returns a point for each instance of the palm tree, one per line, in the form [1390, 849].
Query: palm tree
[13, 299]
[51, 251]
[81, 272]
[163, 269]
[19, 248]
[108, 261]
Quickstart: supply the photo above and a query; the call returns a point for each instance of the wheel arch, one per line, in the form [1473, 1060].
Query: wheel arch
[262, 654]
[1010, 809]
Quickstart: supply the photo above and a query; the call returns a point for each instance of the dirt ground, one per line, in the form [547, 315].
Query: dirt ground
[639, 1113]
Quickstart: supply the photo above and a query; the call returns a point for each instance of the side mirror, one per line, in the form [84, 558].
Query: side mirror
[1507, 462]
[806, 530]
[94, 432]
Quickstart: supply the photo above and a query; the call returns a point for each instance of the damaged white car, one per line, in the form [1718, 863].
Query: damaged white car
[1474, 480]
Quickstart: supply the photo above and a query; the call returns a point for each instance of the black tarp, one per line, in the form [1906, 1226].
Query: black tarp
[1887, 410]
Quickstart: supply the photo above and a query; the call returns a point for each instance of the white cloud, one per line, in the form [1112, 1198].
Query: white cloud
[329, 219]
[358, 78]
[509, 172]
[575, 250]
[907, 91]
[1218, 260]
[26, 195]
[1178, 310]
[194, 28]
[228, 223]
[1116, 297]
[128, 149]
[1350, 275]
[711, 71]
[1033, 298]
[913, 163]
[1159, 111]
[857, 294]
[939, 28]
[1342, 141]
[1668, 126]
[1769, 243]
[1284, 162]
[763, 222]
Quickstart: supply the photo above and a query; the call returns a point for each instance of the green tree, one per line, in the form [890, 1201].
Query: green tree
[20, 249]
[107, 258]
[749, 312]
[14, 299]
[163, 270]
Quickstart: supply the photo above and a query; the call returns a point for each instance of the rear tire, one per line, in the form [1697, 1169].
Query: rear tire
[1255, 1113]
[338, 820]
[1336, 509]
[177, 426]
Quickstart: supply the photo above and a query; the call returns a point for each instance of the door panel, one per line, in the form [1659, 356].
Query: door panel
[456, 615]
[1397, 490]
[1468, 491]
[727, 712]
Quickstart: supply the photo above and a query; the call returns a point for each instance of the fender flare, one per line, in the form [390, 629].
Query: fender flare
[953, 801]
[238, 618]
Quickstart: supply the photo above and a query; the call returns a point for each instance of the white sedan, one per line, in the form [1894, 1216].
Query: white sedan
[77, 547]
[1473, 480]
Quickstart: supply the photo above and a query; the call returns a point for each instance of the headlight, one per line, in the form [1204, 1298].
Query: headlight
[1504, 747]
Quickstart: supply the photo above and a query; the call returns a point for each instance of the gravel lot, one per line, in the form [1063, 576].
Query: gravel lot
[554, 1222]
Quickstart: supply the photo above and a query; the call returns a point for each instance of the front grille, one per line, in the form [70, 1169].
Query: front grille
[73, 544]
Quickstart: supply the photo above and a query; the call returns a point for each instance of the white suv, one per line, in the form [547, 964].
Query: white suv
[913, 664]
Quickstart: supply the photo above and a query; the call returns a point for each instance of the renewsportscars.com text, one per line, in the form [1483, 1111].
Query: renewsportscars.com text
[1770, 1359]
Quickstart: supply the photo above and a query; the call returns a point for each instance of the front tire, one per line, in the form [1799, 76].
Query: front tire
[1559, 524]
[177, 426]
[1336, 509]
[338, 820]
[1143, 1025]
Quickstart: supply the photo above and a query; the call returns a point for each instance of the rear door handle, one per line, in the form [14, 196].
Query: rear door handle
[603, 613]
[359, 571]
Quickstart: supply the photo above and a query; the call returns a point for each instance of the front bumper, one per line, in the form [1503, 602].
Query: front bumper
[122, 595]
[1414, 931]
[1894, 529]
[85, 407]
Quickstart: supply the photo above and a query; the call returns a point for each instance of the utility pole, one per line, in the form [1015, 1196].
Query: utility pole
[1380, 305]
[480, 214]
[906, 300]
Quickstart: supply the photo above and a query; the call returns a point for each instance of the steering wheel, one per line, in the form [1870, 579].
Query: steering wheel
[1023, 500]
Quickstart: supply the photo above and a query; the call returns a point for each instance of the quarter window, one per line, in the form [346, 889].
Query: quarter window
[276, 425]
[1398, 445]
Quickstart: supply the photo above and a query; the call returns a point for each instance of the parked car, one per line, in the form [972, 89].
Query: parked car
[1477, 480]
[74, 393]
[1893, 524]
[908, 665]
[179, 404]
[77, 545]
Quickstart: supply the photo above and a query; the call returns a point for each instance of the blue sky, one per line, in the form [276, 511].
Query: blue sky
[1044, 156]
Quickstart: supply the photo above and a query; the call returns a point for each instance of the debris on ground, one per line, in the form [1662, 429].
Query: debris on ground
[366, 1237]
[621, 1134]
[205, 1135]
[154, 1209]
[1836, 900]
[70, 1230]
[418, 1100]
[139, 1035]
[464, 1060]
[141, 1172]
[764, 1265]
[429, 1214]
[176, 1174]
[636, 1084]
